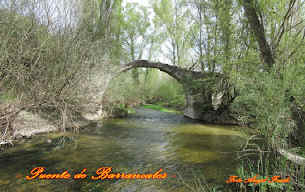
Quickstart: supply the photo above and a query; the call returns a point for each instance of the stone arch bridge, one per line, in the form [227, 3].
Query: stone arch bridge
[208, 94]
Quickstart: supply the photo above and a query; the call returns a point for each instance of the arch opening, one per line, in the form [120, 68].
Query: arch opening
[155, 87]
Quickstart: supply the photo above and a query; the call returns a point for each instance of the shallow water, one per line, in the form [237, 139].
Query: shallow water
[142, 143]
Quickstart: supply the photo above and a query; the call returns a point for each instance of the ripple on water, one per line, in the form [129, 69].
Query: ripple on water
[145, 142]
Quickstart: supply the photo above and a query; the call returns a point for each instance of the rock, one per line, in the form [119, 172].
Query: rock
[93, 116]
[28, 124]
[120, 112]
[18, 136]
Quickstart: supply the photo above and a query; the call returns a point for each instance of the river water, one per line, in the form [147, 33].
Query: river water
[189, 152]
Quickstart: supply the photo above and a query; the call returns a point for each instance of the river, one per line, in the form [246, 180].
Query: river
[188, 151]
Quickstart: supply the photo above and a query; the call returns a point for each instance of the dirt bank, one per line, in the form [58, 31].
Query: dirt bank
[26, 124]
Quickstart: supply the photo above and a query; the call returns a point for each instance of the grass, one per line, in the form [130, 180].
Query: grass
[160, 108]
[131, 110]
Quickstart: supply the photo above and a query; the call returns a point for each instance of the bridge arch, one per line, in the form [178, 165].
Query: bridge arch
[198, 96]
[177, 73]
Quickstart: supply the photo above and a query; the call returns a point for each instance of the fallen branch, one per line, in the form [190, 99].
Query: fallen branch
[291, 156]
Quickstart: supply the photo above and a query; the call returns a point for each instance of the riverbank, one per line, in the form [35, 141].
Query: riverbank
[25, 124]
[161, 108]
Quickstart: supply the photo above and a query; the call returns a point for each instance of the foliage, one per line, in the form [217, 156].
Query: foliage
[170, 94]
[270, 89]
[159, 108]
[135, 36]
[259, 45]
[173, 21]
[212, 34]
[164, 91]
[45, 68]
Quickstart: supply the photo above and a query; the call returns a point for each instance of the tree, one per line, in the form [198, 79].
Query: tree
[258, 29]
[173, 19]
[273, 31]
[103, 20]
[45, 68]
[212, 33]
[135, 33]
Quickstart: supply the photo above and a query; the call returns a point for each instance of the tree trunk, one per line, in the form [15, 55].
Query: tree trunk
[259, 32]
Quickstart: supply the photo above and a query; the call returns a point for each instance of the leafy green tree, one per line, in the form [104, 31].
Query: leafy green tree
[212, 33]
[135, 33]
[103, 20]
[173, 19]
